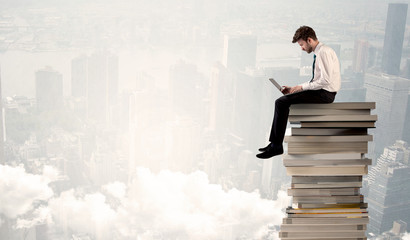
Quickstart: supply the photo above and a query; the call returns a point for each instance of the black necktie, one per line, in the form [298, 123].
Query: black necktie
[313, 67]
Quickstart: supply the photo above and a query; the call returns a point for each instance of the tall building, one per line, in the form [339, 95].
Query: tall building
[393, 38]
[221, 99]
[239, 52]
[102, 85]
[253, 107]
[49, 89]
[389, 192]
[2, 128]
[361, 50]
[390, 94]
[79, 74]
[188, 89]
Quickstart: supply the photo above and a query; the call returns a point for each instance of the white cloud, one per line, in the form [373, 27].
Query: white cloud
[116, 189]
[19, 190]
[190, 207]
[89, 213]
[171, 204]
[38, 216]
[406, 236]
[176, 205]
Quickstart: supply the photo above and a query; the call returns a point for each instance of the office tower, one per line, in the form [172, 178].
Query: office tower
[239, 52]
[389, 193]
[406, 128]
[393, 38]
[361, 49]
[253, 107]
[49, 90]
[2, 128]
[102, 85]
[390, 94]
[187, 86]
[79, 74]
[221, 99]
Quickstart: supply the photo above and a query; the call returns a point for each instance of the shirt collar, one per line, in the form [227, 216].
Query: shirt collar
[317, 49]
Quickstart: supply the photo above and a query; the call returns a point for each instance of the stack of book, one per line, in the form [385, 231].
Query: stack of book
[326, 159]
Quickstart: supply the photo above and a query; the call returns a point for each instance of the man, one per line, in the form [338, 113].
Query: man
[321, 88]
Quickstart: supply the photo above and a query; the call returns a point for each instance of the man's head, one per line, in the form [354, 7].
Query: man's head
[306, 37]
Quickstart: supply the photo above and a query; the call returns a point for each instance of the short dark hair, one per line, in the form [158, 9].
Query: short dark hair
[304, 32]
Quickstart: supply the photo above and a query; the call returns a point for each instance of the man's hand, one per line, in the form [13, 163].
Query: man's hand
[295, 89]
[287, 89]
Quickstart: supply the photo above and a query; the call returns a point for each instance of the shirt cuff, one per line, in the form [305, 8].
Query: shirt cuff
[305, 86]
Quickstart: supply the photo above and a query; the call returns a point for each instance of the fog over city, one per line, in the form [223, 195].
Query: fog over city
[141, 119]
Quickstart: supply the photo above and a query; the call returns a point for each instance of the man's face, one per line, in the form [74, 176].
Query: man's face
[305, 45]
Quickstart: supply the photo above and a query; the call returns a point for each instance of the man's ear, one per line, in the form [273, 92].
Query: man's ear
[309, 40]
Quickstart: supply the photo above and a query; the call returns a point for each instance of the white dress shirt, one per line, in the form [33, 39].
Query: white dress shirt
[327, 70]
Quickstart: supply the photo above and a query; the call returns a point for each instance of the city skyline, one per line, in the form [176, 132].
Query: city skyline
[116, 114]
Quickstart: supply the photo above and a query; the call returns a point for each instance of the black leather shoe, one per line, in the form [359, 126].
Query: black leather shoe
[264, 148]
[272, 150]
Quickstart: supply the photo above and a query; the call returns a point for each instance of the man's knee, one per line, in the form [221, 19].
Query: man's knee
[282, 102]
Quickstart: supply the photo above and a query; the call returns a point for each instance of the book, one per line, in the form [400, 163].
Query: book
[333, 118]
[321, 227]
[327, 171]
[336, 105]
[326, 162]
[323, 156]
[327, 185]
[324, 238]
[328, 199]
[329, 139]
[321, 235]
[326, 221]
[324, 205]
[325, 210]
[327, 131]
[298, 192]
[338, 124]
[309, 150]
[326, 215]
[312, 112]
[326, 179]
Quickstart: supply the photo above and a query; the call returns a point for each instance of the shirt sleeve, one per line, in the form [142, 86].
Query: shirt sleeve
[325, 63]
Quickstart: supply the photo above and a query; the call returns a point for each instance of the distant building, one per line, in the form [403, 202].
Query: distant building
[393, 38]
[49, 90]
[2, 128]
[79, 75]
[390, 94]
[102, 85]
[239, 52]
[360, 57]
[221, 99]
[389, 189]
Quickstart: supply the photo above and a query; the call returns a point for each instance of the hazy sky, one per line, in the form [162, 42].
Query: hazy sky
[149, 36]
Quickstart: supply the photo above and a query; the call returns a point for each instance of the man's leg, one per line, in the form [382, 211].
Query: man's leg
[281, 114]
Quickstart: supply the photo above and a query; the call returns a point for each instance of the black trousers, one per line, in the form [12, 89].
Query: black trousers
[283, 103]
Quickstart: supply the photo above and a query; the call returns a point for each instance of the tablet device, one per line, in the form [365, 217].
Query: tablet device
[279, 87]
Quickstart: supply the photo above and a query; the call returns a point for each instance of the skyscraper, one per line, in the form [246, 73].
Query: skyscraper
[102, 85]
[49, 89]
[393, 38]
[361, 49]
[79, 73]
[390, 94]
[389, 192]
[239, 52]
[2, 130]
